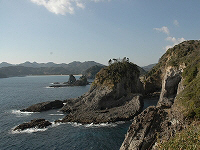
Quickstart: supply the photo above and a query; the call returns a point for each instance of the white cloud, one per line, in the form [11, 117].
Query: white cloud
[80, 5]
[163, 29]
[174, 41]
[176, 23]
[56, 6]
[63, 6]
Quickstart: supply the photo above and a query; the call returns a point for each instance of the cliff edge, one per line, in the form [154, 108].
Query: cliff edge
[177, 76]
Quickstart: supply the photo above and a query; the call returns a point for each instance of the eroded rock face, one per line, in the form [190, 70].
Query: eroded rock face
[36, 123]
[102, 109]
[162, 121]
[44, 106]
[143, 131]
[170, 84]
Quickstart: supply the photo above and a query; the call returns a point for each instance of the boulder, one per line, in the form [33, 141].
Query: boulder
[36, 123]
[44, 106]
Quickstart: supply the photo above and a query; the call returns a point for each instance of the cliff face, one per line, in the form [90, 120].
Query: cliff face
[113, 96]
[177, 75]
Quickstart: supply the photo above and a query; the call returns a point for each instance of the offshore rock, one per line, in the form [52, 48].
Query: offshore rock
[72, 82]
[44, 106]
[36, 123]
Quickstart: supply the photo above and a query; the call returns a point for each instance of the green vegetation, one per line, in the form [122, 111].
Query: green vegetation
[188, 139]
[186, 53]
[190, 98]
[115, 72]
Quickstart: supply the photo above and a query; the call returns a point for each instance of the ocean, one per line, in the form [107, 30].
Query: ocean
[20, 92]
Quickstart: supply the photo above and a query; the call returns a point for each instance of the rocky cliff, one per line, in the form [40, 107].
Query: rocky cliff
[177, 76]
[114, 96]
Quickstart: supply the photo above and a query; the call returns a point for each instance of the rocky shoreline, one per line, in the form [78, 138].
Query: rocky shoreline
[117, 95]
[118, 99]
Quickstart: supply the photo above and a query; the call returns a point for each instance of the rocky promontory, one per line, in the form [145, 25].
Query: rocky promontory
[115, 95]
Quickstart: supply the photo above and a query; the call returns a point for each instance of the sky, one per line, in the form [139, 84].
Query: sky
[62, 31]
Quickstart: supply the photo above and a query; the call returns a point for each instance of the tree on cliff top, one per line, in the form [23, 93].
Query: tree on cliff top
[114, 73]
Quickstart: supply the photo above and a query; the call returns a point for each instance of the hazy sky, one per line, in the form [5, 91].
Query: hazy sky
[63, 31]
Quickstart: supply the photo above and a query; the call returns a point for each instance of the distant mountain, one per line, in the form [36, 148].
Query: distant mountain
[49, 68]
[5, 64]
[149, 67]
[92, 71]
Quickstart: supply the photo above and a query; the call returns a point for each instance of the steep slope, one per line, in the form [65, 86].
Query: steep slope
[177, 76]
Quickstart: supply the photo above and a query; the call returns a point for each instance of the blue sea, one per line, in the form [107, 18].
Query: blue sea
[20, 92]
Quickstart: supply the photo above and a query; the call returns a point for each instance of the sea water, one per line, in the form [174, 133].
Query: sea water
[20, 92]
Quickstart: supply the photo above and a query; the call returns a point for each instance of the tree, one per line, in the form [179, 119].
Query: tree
[110, 62]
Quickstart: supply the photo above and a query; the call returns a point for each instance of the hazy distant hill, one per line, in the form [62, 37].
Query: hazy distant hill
[5, 64]
[50, 68]
[92, 71]
[149, 67]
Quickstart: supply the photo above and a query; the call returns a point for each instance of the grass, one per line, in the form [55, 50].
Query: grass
[188, 139]
[190, 99]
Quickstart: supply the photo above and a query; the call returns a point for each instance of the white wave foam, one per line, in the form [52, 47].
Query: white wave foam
[21, 113]
[48, 87]
[120, 122]
[56, 114]
[30, 130]
[92, 125]
[55, 124]
[74, 124]
[101, 125]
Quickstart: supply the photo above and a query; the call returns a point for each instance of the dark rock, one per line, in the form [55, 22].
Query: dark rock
[72, 82]
[36, 123]
[103, 110]
[72, 79]
[143, 131]
[44, 106]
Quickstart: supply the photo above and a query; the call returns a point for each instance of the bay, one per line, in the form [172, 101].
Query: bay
[20, 92]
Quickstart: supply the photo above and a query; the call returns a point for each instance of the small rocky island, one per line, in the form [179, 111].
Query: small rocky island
[72, 82]
[36, 123]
